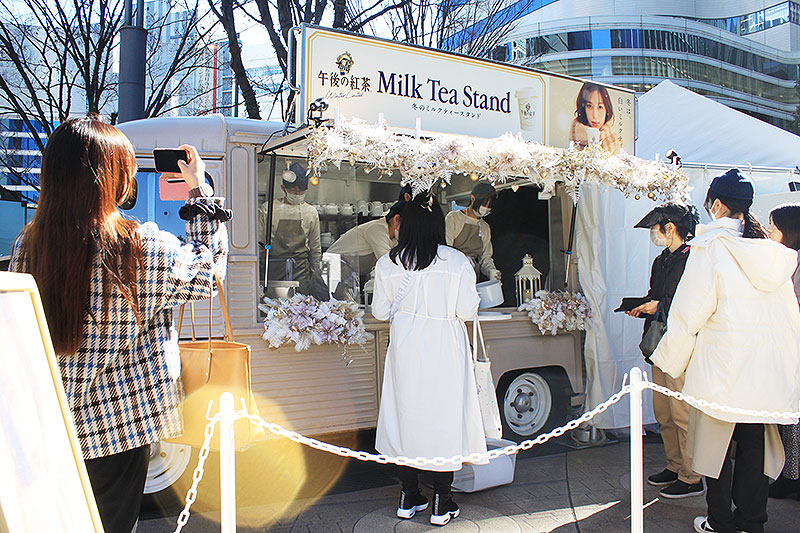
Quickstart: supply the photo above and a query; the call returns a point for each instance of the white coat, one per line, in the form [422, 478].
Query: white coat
[429, 402]
[734, 325]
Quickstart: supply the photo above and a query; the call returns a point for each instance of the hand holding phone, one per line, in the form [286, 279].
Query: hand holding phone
[166, 160]
[179, 166]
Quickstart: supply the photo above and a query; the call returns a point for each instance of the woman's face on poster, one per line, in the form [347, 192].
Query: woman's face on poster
[595, 110]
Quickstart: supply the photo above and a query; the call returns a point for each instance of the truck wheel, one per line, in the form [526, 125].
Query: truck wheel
[532, 402]
[167, 463]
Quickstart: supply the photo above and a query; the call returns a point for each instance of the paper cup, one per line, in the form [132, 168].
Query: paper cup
[593, 135]
[528, 102]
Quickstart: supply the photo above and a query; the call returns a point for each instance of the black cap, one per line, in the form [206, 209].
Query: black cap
[482, 191]
[300, 178]
[396, 209]
[733, 184]
[684, 216]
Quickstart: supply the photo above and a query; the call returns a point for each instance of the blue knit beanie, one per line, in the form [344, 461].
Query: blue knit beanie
[733, 184]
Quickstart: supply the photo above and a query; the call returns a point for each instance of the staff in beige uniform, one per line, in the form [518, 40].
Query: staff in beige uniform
[467, 231]
[734, 328]
[296, 249]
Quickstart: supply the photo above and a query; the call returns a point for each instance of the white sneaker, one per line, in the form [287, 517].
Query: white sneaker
[701, 525]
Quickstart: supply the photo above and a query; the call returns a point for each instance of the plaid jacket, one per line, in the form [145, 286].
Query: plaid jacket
[123, 387]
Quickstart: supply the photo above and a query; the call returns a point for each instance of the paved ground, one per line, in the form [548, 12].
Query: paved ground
[568, 490]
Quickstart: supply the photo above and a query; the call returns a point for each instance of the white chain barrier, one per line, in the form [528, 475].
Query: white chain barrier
[627, 388]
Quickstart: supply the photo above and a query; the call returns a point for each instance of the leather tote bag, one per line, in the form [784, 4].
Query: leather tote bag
[487, 398]
[653, 334]
[209, 368]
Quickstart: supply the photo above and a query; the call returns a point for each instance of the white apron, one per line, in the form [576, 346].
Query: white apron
[429, 403]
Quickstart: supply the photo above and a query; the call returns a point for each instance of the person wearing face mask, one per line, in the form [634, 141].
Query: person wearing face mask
[466, 230]
[296, 252]
[670, 225]
[734, 329]
[375, 237]
[784, 227]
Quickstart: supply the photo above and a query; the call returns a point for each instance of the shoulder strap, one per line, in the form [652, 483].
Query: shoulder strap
[223, 304]
[401, 292]
[477, 334]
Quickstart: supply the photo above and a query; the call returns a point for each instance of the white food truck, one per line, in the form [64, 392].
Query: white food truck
[326, 389]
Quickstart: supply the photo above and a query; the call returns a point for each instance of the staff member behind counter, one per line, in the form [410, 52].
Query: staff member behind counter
[466, 230]
[296, 252]
[375, 237]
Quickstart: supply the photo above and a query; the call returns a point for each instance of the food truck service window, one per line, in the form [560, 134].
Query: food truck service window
[519, 224]
[326, 232]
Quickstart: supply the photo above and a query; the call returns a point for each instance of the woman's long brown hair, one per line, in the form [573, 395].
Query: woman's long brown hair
[88, 169]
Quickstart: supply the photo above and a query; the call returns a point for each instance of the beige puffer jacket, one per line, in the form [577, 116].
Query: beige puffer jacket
[734, 325]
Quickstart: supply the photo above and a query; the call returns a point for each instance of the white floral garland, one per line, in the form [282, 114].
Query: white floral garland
[304, 320]
[559, 310]
[424, 162]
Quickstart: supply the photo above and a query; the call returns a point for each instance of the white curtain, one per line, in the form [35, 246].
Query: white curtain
[614, 261]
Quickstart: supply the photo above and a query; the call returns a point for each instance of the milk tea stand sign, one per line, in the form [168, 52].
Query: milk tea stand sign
[364, 76]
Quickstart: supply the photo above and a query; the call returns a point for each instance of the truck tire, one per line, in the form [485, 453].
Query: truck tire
[532, 401]
[167, 464]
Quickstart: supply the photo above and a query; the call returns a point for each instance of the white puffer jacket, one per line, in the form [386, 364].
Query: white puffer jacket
[734, 325]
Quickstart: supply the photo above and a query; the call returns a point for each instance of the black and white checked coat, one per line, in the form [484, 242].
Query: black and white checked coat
[123, 386]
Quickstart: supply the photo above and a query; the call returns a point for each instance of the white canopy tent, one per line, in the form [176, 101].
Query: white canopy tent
[704, 131]
[614, 258]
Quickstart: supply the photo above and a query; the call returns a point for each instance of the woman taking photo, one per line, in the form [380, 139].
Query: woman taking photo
[784, 227]
[734, 328]
[108, 286]
[429, 404]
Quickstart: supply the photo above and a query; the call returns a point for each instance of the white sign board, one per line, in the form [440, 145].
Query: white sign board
[45, 486]
[364, 77]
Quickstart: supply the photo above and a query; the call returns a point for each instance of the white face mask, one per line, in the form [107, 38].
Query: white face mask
[657, 238]
[295, 199]
[483, 211]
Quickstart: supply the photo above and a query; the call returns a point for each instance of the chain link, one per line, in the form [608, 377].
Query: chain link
[435, 461]
[714, 406]
[342, 451]
[191, 494]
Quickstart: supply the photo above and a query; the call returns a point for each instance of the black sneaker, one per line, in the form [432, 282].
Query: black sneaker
[681, 489]
[663, 478]
[410, 504]
[444, 509]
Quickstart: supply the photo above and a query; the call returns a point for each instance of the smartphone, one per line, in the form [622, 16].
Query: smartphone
[166, 160]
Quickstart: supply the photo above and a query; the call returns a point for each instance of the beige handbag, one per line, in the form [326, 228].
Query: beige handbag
[209, 368]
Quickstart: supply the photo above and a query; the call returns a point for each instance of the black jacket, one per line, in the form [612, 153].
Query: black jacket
[664, 277]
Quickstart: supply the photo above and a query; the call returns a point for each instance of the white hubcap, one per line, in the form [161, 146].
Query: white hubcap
[167, 463]
[527, 403]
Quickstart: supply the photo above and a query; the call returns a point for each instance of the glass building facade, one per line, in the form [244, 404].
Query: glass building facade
[730, 59]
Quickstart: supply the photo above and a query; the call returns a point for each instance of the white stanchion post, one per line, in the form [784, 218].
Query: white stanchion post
[637, 476]
[227, 465]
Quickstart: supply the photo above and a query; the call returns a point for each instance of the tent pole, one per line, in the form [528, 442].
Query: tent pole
[568, 251]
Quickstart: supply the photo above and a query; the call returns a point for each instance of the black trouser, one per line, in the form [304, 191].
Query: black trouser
[745, 485]
[409, 478]
[118, 484]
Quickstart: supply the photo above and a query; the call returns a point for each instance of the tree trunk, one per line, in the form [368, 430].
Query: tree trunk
[339, 13]
[226, 17]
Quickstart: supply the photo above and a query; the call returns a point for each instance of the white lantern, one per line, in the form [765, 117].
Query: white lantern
[529, 280]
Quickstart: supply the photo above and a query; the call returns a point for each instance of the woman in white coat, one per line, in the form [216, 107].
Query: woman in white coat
[734, 328]
[429, 403]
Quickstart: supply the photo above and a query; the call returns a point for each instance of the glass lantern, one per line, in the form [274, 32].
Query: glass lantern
[529, 280]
